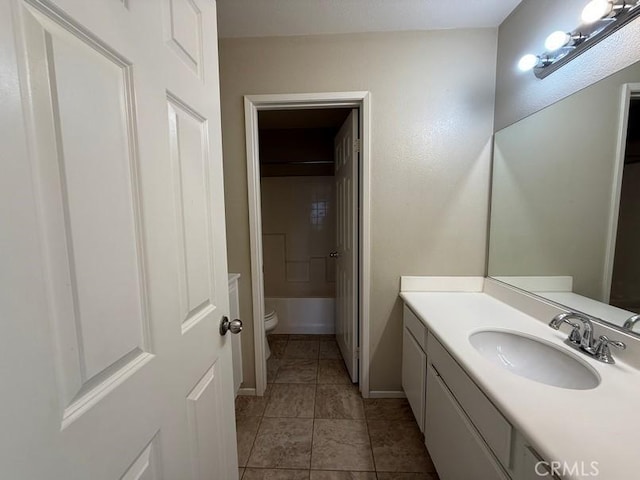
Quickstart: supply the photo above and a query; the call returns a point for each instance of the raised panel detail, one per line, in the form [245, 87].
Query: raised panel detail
[206, 432]
[83, 137]
[145, 467]
[96, 170]
[189, 154]
[184, 32]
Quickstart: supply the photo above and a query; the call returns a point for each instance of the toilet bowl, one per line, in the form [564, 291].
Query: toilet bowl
[270, 324]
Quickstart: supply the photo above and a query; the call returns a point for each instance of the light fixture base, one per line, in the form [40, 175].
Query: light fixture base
[600, 30]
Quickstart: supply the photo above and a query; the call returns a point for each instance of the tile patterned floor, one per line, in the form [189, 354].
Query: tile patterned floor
[313, 424]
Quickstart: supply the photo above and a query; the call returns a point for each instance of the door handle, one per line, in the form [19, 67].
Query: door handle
[233, 326]
[334, 254]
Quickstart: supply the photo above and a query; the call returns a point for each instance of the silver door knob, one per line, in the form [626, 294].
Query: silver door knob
[334, 254]
[233, 326]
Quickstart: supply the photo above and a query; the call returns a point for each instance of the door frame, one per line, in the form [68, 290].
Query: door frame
[629, 91]
[253, 104]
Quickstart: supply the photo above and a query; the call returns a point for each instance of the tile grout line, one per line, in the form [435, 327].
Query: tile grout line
[315, 402]
[253, 444]
[313, 427]
[366, 422]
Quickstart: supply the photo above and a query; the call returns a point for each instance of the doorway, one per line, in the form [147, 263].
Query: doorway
[620, 252]
[279, 111]
[299, 219]
[626, 260]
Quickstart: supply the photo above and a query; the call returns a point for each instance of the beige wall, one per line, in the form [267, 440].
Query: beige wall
[298, 233]
[519, 94]
[432, 121]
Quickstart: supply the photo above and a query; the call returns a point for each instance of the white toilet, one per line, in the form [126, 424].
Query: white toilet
[270, 324]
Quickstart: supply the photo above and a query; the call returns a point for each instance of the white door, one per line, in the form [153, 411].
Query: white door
[236, 340]
[113, 276]
[346, 159]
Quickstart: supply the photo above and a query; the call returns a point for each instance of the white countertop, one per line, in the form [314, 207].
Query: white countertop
[602, 424]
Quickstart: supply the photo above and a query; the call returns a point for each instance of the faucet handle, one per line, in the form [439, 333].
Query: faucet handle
[603, 353]
[574, 337]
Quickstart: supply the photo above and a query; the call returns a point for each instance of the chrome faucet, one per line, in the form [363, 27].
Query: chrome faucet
[584, 341]
[631, 321]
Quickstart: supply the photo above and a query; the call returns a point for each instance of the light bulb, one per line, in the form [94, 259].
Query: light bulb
[527, 62]
[557, 40]
[595, 10]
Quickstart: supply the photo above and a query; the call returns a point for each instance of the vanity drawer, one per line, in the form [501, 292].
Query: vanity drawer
[416, 327]
[493, 427]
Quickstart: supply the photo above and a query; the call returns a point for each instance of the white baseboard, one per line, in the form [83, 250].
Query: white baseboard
[248, 392]
[386, 394]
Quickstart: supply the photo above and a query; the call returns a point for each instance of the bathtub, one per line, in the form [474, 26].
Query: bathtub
[303, 315]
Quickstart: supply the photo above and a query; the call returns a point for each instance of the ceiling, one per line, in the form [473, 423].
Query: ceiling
[263, 18]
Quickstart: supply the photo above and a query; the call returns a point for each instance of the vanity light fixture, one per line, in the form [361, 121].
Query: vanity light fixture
[600, 19]
[598, 9]
[557, 40]
[530, 61]
[560, 39]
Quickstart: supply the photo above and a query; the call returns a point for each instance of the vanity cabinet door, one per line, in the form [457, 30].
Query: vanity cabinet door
[414, 375]
[456, 448]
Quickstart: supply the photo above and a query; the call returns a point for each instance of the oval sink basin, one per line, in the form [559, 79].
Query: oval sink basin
[534, 359]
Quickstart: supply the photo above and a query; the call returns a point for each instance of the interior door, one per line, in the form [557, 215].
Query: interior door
[346, 159]
[113, 277]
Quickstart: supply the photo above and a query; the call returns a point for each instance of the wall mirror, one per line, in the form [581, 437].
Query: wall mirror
[565, 204]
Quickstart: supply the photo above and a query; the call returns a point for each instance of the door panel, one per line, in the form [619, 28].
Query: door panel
[346, 159]
[113, 273]
[145, 466]
[450, 437]
[95, 163]
[92, 248]
[184, 31]
[189, 151]
[205, 411]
